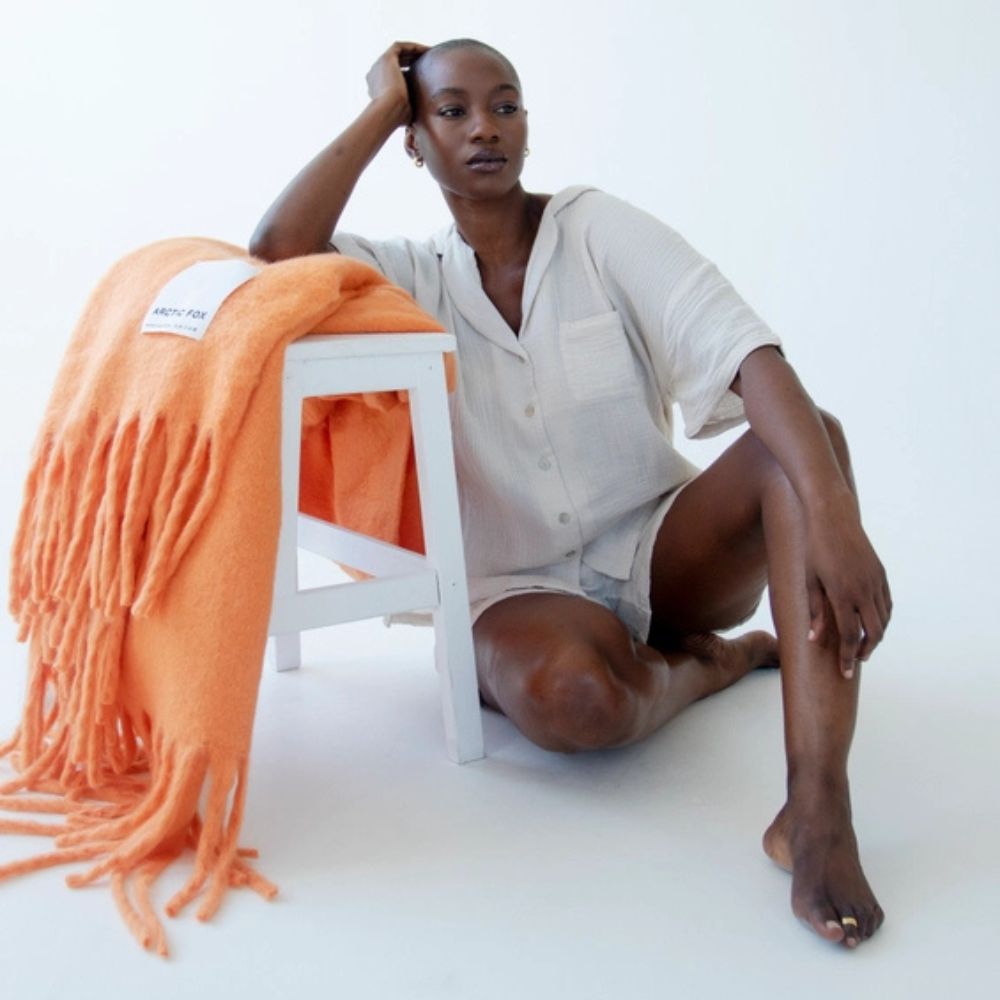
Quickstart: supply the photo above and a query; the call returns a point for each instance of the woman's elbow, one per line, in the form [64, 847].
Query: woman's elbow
[265, 244]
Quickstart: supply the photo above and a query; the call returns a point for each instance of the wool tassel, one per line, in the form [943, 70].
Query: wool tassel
[31, 828]
[139, 495]
[118, 827]
[177, 454]
[147, 874]
[16, 803]
[209, 839]
[132, 919]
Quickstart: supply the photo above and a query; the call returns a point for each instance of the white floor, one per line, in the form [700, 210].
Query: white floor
[624, 874]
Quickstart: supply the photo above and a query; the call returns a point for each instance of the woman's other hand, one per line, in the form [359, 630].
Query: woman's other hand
[849, 598]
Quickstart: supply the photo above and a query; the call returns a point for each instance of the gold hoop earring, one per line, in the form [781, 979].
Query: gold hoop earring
[418, 161]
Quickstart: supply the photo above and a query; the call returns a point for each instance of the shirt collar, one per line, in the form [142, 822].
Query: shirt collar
[461, 274]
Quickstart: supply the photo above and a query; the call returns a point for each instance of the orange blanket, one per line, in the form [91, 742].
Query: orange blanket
[142, 566]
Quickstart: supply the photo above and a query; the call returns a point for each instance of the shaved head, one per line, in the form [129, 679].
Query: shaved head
[415, 78]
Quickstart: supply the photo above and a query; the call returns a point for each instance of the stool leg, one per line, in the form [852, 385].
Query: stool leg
[287, 647]
[287, 651]
[453, 649]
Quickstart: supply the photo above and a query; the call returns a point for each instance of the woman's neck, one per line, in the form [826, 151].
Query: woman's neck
[501, 231]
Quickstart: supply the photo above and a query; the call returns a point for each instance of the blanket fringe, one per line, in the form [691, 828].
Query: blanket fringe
[133, 841]
[109, 511]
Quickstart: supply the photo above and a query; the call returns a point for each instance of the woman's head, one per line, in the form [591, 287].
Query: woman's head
[469, 124]
[420, 67]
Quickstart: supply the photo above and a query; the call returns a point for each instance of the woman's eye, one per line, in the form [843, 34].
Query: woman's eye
[507, 109]
[450, 112]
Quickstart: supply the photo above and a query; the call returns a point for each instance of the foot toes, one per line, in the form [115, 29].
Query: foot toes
[831, 929]
[840, 924]
[823, 919]
[872, 922]
[852, 928]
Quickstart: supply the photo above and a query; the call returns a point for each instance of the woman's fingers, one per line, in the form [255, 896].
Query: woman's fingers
[875, 615]
[885, 602]
[849, 630]
[845, 570]
[406, 52]
[861, 625]
[874, 625]
[817, 611]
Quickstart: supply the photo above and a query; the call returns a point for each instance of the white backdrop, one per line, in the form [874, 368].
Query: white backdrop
[838, 161]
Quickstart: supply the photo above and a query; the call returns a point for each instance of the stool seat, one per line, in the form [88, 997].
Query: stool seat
[336, 364]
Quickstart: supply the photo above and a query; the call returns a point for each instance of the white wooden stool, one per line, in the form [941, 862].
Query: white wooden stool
[329, 365]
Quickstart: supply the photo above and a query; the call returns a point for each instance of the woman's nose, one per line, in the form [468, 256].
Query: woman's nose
[483, 127]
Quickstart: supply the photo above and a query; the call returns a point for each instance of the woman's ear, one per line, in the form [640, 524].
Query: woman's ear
[410, 144]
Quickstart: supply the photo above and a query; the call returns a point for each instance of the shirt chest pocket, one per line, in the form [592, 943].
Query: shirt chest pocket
[596, 357]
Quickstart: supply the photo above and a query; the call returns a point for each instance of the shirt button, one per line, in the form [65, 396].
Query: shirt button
[564, 518]
[544, 463]
[529, 410]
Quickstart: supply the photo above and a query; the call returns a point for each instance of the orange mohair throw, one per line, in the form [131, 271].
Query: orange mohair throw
[142, 567]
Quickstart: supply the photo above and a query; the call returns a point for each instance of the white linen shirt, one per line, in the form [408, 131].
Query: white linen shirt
[563, 433]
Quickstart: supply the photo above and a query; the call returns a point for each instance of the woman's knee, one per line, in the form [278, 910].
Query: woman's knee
[574, 700]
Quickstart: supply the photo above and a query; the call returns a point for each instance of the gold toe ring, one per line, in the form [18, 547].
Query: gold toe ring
[849, 921]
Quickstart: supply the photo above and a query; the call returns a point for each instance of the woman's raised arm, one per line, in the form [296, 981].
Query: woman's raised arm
[305, 214]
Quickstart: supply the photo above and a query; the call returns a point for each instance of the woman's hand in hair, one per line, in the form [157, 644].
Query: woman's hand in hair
[306, 213]
[386, 80]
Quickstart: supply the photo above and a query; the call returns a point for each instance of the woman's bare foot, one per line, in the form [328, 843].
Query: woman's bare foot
[829, 890]
[725, 661]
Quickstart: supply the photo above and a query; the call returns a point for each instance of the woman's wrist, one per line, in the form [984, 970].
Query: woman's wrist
[830, 500]
[391, 108]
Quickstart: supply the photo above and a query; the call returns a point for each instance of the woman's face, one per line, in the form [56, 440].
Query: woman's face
[469, 126]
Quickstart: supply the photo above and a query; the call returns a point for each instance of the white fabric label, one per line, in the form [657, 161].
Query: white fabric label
[188, 302]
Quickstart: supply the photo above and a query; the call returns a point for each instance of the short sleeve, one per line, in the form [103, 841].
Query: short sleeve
[395, 258]
[695, 326]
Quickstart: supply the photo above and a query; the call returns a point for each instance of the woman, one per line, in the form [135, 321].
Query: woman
[600, 563]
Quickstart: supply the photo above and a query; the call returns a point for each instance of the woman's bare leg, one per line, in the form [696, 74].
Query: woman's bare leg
[738, 519]
[567, 673]
[813, 836]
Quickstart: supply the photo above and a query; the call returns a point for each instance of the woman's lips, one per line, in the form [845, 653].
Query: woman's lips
[487, 165]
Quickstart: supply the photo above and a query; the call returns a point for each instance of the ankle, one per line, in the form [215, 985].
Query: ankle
[812, 788]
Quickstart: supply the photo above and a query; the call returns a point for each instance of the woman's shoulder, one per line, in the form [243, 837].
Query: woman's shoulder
[411, 264]
[599, 218]
[575, 201]
[347, 243]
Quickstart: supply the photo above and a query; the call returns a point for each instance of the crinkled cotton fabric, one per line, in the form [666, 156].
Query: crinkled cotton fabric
[563, 431]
